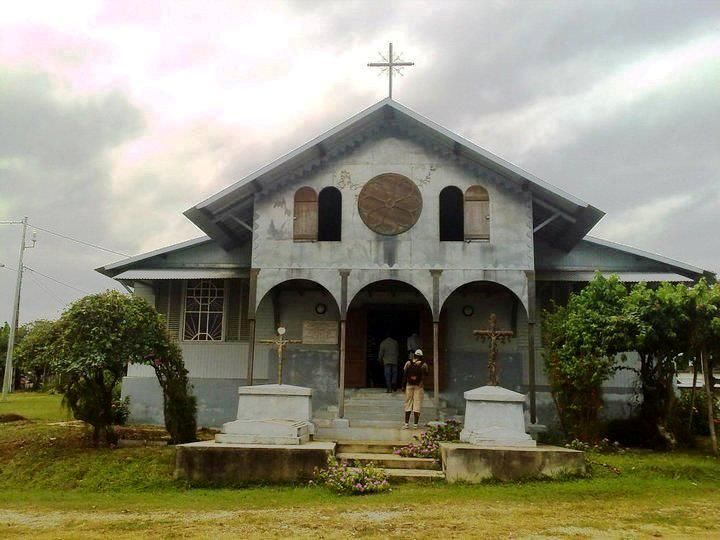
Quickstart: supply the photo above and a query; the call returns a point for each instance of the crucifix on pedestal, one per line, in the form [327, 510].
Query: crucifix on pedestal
[495, 337]
[280, 343]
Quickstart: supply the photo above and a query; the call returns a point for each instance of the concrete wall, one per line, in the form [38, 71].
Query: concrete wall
[407, 256]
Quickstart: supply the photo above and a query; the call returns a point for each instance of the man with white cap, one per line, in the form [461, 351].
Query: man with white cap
[415, 371]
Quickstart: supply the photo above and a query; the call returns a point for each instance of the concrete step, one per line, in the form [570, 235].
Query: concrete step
[368, 433]
[390, 461]
[368, 447]
[412, 475]
[392, 424]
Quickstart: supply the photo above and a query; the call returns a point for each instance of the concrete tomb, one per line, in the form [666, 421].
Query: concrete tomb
[494, 417]
[270, 414]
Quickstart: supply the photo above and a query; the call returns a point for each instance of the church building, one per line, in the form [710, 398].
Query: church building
[388, 224]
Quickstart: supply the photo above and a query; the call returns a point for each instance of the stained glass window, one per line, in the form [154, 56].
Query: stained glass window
[204, 303]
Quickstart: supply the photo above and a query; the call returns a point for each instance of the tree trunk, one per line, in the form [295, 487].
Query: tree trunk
[711, 412]
[692, 396]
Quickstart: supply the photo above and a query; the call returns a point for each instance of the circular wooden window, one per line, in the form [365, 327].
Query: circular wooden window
[390, 204]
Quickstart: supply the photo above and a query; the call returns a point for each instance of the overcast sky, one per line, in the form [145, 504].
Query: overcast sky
[115, 117]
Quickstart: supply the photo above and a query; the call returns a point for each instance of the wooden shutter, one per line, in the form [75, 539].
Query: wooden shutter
[175, 299]
[245, 298]
[234, 301]
[305, 221]
[477, 214]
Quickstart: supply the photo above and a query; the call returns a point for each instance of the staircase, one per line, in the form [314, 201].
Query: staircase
[380, 453]
[373, 407]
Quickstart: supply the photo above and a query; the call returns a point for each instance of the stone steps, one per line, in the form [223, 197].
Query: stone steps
[368, 447]
[389, 461]
[412, 475]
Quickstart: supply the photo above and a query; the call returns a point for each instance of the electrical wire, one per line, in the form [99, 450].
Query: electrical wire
[76, 240]
[57, 281]
[47, 290]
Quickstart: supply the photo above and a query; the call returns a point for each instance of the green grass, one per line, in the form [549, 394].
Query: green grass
[35, 406]
[53, 485]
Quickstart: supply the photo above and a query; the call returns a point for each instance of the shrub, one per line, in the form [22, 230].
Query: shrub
[427, 445]
[356, 480]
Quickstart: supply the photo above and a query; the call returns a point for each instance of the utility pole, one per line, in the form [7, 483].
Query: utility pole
[8, 379]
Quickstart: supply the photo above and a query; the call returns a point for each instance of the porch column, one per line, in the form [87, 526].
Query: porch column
[343, 317]
[436, 373]
[252, 297]
[436, 339]
[531, 373]
[531, 345]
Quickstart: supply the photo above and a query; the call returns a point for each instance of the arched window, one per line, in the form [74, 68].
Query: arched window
[477, 214]
[305, 220]
[451, 215]
[329, 215]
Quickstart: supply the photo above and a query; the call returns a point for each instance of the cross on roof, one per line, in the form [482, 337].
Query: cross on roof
[391, 63]
[495, 337]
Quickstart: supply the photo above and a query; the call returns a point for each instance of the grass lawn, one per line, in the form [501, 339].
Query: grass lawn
[53, 486]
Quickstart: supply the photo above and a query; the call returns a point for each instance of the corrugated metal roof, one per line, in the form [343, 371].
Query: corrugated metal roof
[628, 277]
[180, 273]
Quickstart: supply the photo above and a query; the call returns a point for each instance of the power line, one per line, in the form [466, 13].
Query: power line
[57, 280]
[78, 241]
[47, 290]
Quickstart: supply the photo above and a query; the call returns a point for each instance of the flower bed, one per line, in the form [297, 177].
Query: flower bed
[427, 445]
[356, 480]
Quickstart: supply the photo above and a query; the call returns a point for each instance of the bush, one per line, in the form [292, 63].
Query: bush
[427, 445]
[356, 480]
[637, 432]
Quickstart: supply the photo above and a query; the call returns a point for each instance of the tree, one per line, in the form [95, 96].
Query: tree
[30, 354]
[90, 347]
[581, 345]
[704, 339]
[656, 322]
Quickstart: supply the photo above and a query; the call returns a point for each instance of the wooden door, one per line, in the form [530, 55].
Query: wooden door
[355, 345]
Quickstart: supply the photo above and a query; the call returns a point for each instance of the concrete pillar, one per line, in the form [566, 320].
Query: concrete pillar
[436, 367]
[531, 346]
[343, 317]
[252, 297]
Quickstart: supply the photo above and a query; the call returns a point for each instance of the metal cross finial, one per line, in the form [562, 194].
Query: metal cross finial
[280, 343]
[495, 337]
[391, 64]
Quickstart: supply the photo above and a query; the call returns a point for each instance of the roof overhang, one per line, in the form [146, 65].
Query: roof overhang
[152, 274]
[227, 216]
[625, 277]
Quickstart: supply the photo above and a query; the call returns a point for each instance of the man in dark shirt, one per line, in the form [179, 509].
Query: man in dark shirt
[388, 356]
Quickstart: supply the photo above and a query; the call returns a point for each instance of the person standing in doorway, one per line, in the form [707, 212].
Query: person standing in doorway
[415, 371]
[388, 357]
[413, 344]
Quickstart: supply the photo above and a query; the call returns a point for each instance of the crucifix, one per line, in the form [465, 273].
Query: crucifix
[495, 337]
[391, 64]
[280, 343]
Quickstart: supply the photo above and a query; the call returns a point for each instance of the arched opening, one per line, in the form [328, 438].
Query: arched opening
[451, 215]
[465, 359]
[305, 215]
[477, 214]
[329, 215]
[309, 313]
[382, 309]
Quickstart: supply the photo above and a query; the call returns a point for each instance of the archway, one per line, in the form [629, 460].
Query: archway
[464, 359]
[309, 313]
[385, 308]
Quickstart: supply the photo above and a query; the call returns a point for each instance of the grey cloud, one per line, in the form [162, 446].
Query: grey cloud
[54, 168]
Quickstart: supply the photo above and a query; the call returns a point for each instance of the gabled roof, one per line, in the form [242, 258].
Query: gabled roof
[227, 215]
[115, 268]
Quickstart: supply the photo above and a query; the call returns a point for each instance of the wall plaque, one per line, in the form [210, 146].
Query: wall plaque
[320, 332]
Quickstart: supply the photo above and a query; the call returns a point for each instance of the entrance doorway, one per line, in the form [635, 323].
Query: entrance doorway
[382, 309]
[396, 322]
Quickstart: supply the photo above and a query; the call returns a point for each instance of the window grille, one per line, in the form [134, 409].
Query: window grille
[204, 306]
